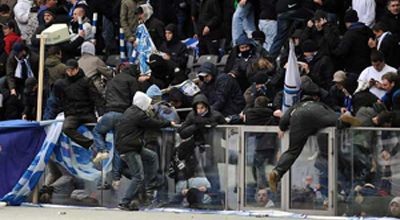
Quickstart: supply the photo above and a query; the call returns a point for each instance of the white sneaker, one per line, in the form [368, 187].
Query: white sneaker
[116, 184]
[100, 157]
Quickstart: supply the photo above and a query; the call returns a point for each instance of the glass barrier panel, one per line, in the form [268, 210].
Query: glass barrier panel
[261, 151]
[369, 173]
[309, 176]
[183, 165]
[228, 168]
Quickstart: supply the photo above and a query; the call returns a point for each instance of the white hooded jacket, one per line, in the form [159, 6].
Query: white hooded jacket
[26, 20]
[365, 11]
[142, 101]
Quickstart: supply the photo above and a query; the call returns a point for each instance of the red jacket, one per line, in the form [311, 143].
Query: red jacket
[9, 41]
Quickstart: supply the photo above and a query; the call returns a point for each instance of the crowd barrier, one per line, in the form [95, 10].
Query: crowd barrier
[340, 172]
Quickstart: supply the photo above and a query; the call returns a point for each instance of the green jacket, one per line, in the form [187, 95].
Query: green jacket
[128, 19]
[55, 69]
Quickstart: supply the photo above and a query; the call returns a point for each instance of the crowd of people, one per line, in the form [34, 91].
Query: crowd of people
[347, 51]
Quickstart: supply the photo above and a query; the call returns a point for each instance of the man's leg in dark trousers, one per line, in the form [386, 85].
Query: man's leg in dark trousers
[296, 145]
[70, 126]
[136, 184]
[151, 166]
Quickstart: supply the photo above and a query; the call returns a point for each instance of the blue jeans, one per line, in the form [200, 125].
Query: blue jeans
[243, 22]
[269, 27]
[106, 124]
[285, 22]
[137, 163]
[130, 48]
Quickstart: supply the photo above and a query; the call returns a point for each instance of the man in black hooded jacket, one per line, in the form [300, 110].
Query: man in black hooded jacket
[222, 90]
[174, 50]
[194, 132]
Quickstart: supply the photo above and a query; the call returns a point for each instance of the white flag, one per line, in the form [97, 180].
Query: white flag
[291, 89]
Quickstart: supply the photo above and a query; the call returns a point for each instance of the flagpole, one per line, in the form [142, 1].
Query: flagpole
[40, 78]
[39, 106]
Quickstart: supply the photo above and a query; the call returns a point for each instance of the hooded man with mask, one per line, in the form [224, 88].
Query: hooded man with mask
[130, 145]
[298, 118]
[242, 57]
[222, 90]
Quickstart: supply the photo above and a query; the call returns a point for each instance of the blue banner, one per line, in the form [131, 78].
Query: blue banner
[20, 141]
[26, 151]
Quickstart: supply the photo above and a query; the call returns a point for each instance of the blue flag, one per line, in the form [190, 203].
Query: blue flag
[145, 47]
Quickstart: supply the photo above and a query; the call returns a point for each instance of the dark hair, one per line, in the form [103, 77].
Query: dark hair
[10, 24]
[53, 50]
[377, 56]
[380, 26]
[71, 64]
[81, 6]
[175, 95]
[4, 8]
[139, 11]
[390, 1]
[261, 101]
[391, 77]
[194, 197]
[385, 117]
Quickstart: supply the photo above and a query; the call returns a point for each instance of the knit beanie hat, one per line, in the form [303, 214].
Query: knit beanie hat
[351, 16]
[244, 40]
[71, 63]
[309, 46]
[308, 87]
[18, 47]
[50, 11]
[153, 91]
[260, 78]
[258, 35]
